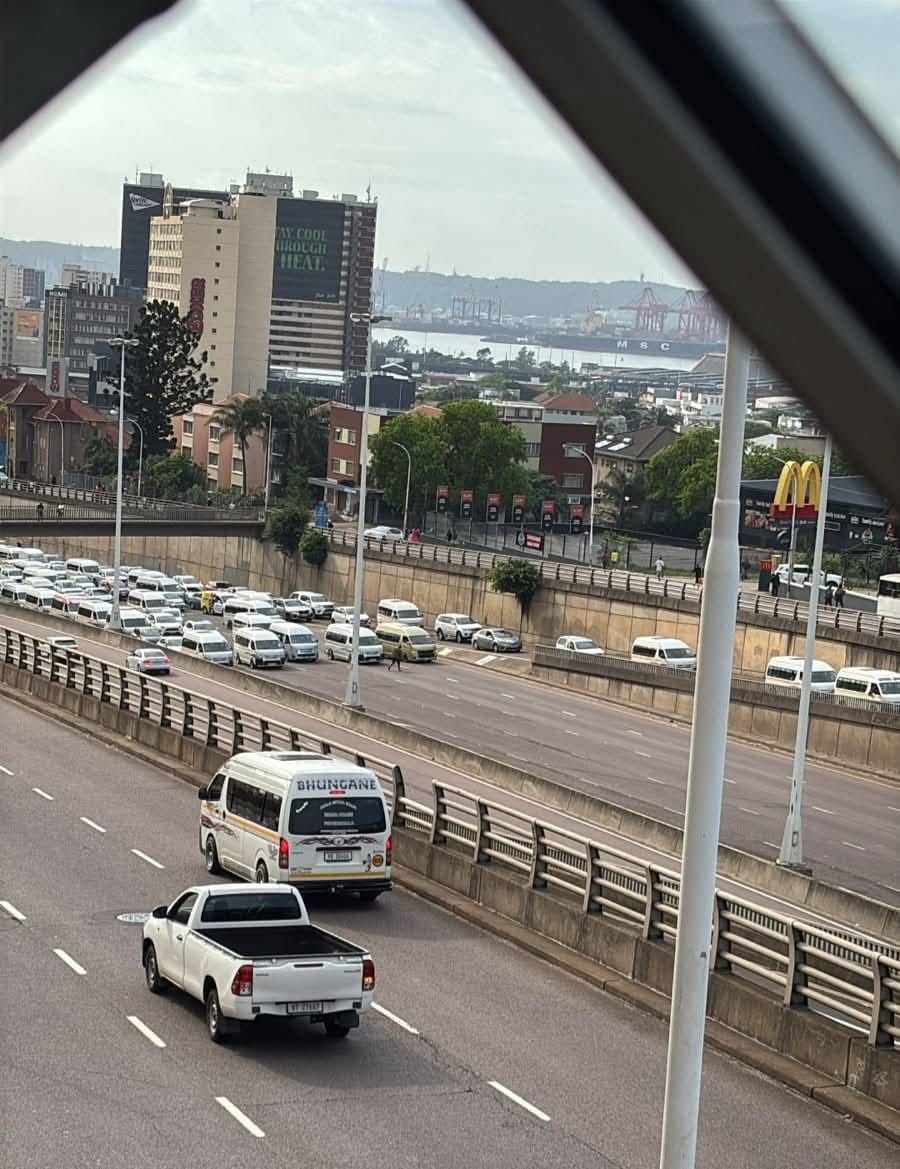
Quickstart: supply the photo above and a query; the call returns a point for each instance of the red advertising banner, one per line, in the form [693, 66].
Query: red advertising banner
[443, 494]
[548, 507]
[534, 540]
[576, 511]
[466, 498]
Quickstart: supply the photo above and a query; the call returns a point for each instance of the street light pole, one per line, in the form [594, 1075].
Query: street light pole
[140, 477]
[709, 729]
[115, 619]
[268, 462]
[62, 450]
[408, 477]
[572, 449]
[352, 697]
[791, 852]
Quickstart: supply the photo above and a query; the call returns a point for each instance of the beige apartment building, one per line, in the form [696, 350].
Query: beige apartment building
[268, 281]
[199, 435]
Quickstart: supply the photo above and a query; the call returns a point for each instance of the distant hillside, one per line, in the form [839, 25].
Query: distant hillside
[551, 298]
[51, 256]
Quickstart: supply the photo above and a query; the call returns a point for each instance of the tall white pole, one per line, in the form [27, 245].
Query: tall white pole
[352, 697]
[140, 478]
[791, 852]
[709, 730]
[115, 619]
[792, 547]
[593, 506]
[268, 463]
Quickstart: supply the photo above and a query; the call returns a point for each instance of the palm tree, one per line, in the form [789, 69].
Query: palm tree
[242, 417]
[301, 430]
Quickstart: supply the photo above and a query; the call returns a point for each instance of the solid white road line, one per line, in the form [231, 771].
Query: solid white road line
[145, 1031]
[240, 1117]
[769, 844]
[394, 1018]
[148, 859]
[70, 962]
[824, 811]
[9, 908]
[6, 770]
[485, 660]
[92, 824]
[849, 844]
[498, 1087]
[44, 795]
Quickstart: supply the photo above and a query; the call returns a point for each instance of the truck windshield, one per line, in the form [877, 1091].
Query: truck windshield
[244, 907]
[348, 814]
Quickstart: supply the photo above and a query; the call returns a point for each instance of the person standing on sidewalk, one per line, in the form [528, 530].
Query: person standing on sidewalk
[839, 596]
[660, 567]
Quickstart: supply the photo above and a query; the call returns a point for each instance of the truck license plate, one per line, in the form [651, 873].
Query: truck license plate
[338, 857]
[312, 1008]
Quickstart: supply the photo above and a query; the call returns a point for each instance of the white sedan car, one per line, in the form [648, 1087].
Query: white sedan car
[384, 532]
[579, 645]
[148, 661]
[344, 615]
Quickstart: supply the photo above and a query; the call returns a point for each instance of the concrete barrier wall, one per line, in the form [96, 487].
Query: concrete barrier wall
[810, 1039]
[865, 740]
[611, 617]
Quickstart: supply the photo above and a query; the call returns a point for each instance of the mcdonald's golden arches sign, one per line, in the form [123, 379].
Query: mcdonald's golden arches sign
[798, 492]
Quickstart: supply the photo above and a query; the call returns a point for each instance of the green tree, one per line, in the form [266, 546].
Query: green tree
[763, 463]
[314, 547]
[682, 477]
[301, 430]
[522, 578]
[525, 358]
[163, 374]
[621, 493]
[242, 417]
[482, 451]
[100, 457]
[423, 438]
[287, 526]
[171, 477]
[484, 354]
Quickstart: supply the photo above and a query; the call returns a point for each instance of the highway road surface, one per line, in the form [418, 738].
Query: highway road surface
[478, 1055]
[851, 821]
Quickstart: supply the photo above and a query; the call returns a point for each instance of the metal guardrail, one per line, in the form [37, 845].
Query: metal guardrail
[555, 658]
[554, 571]
[99, 504]
[854, 980]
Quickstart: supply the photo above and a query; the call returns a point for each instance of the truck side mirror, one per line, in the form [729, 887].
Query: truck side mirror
[201, 793]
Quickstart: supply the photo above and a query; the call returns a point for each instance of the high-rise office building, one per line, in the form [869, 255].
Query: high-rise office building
[78, 317]
[140, 202]
[33, 283]
[268, 281]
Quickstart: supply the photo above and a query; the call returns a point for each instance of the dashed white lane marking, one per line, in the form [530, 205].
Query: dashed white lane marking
[6, 770]
[483, 661]
[394, 1018]
[850, 844]
[570, 714]
[92, 824]
[145, 1031]
[824, 811]
[453, 697]
[749, 811]
[240, 1117]
[516, 1099]
[70, 961]
[640, 734]
[44, 795]
[576, 733]
[447, 714]
[644, 754]
[769, 844]
[148, 859]
[650, 779]
[891, 808]
[444, 652]
[511, 696]
[14, 913]
[733, 782]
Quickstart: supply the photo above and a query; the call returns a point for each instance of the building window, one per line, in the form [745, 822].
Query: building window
[212, 459]
[187, 426]
[573, 481]
[237, 465]
[336, 466]
[532, 450]
[218, 247]
[214, 432]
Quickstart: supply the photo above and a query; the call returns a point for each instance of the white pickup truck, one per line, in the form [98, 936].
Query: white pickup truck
[250, 950]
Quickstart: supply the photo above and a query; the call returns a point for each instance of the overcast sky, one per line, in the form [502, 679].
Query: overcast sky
[471, 171]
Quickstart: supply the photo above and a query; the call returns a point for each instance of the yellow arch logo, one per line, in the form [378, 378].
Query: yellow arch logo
[798, 492]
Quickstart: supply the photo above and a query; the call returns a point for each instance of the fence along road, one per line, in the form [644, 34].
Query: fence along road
[852, 978]
[612, 748]
[486, 1014]
[552, 571]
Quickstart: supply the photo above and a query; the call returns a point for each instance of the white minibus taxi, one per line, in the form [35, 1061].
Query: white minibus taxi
[788, 671]
[310, 820]
[869, 683]
[81, 566]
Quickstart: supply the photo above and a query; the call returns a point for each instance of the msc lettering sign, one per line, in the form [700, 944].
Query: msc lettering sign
[798, 491]
[309, 245]
[195, 312]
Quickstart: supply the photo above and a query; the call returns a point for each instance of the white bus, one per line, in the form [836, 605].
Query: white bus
[888, 604]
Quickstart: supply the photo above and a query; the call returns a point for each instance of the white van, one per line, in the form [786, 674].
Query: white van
[339, 644]
[165, 586]
[148, 600]
[310, 820]
[13, 591]
[258, 647]
[403, 612]
[80, 566]
[248, 620]
[209, 645]
[244, 603]
[136, 622]
[67, 604]
[300, 644]
[869, 683]
[39, 598]
[93, 612]
[664, 651]
[788, 671]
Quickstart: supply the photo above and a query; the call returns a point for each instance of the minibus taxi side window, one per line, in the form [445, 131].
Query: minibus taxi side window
[214, 787]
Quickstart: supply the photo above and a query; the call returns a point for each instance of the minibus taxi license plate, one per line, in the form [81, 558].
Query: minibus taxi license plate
[340, 857]
[311, 1008]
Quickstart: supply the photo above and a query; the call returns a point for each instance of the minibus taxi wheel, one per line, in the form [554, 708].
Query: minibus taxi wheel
[211, 853]
[330, 653]
[262, 873]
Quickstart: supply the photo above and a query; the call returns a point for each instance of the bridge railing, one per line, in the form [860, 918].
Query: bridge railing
[674, 588]
[852, 978]
[100, 503]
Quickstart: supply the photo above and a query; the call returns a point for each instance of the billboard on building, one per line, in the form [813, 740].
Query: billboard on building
[28, 323]
[309, 245]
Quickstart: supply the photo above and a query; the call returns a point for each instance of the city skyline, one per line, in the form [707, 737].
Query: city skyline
[472, 171]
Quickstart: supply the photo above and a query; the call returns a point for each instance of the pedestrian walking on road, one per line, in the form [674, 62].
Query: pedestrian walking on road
[59, 511]
[40, 511]
[829, 595]
[395, 659]
[745, 569]
[839, 596]
[660, 567]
